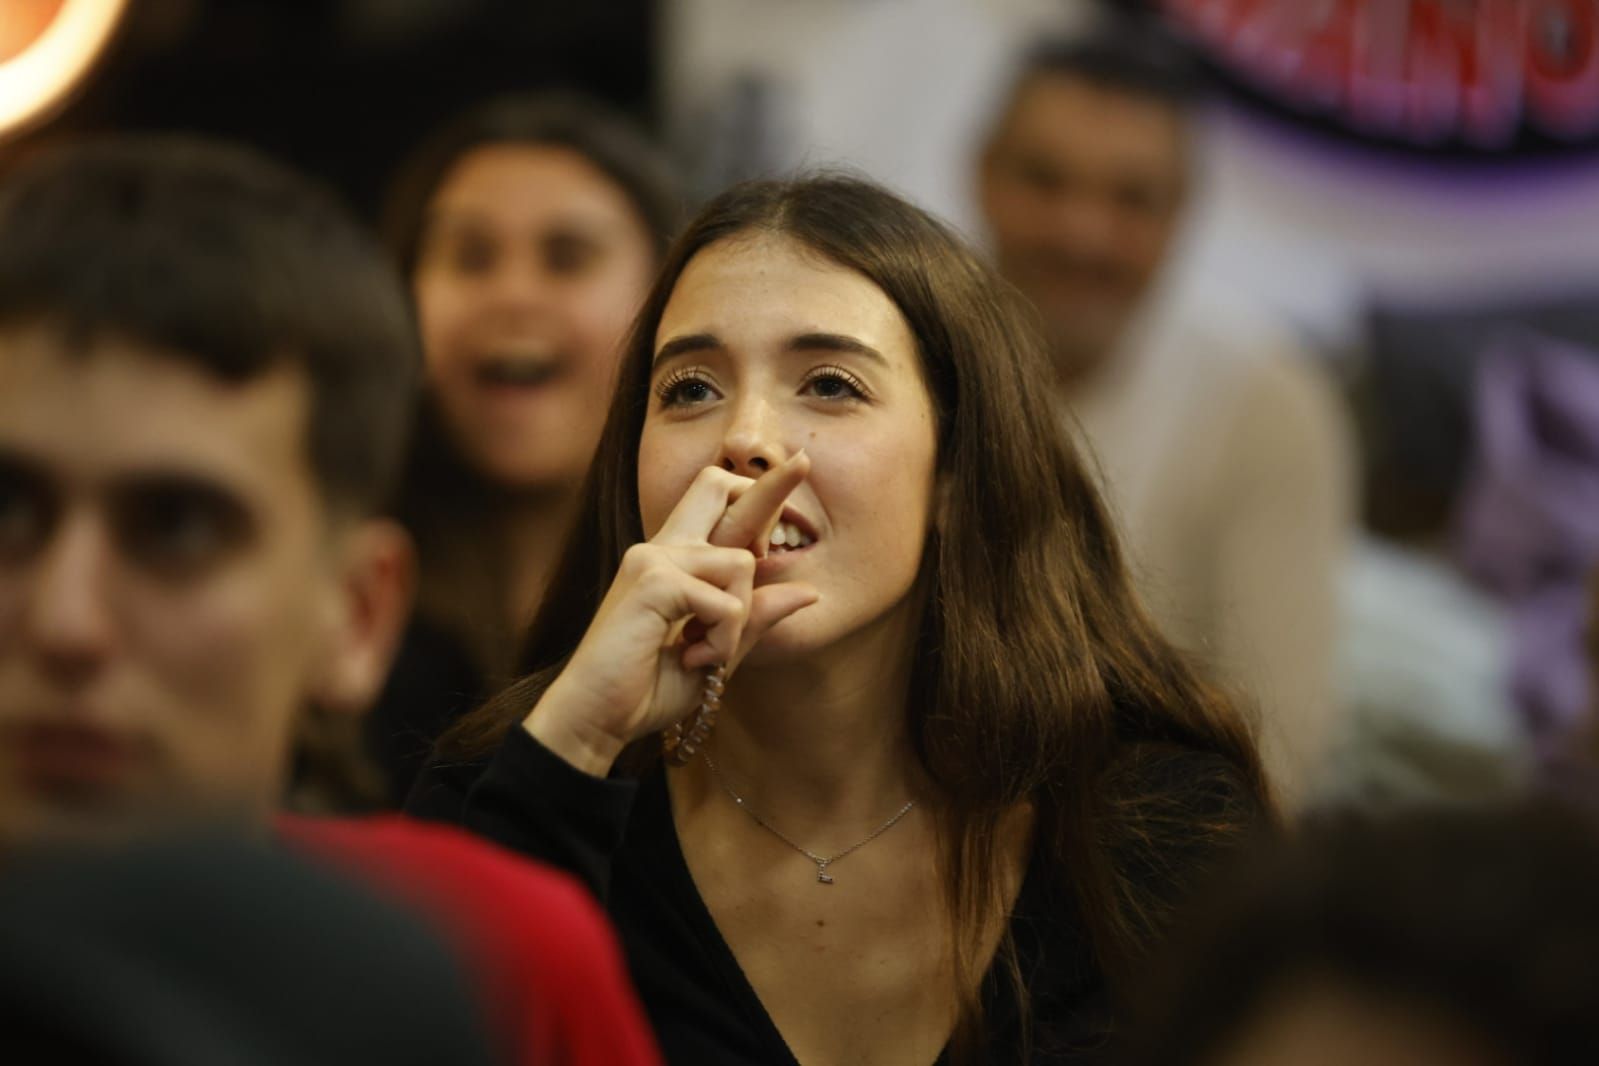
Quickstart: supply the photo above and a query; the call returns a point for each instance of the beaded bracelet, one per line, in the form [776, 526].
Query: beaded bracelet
[680, 742]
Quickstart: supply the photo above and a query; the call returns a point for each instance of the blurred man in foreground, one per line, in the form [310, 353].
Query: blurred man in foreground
[1449, 936]
[205, 377]
[1221, 454]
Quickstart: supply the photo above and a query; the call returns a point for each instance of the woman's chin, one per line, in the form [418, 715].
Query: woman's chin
[792, 639]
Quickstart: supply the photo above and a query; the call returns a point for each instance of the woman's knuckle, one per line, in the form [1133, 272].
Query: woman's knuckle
[637, 557]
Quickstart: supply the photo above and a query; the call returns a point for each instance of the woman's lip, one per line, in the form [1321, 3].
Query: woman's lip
[800, 522]
[774, 562]
[53, 755]
[515, 389]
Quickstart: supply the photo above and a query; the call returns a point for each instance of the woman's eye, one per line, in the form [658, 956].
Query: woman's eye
[686, 392]
[569, 255]
[472, 256]
[833, 385]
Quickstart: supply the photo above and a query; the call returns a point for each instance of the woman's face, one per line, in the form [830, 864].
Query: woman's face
[531, 266]
[766, 348]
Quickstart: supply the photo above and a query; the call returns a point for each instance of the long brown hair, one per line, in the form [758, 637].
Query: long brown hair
[1037, 677]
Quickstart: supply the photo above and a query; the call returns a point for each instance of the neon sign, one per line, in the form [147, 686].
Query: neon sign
[1480, 75]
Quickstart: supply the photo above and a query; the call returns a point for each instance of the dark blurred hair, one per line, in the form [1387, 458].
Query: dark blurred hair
[1490, 917]
[1037, 678]
[605, 137]
[1128, 55]
[219, 257]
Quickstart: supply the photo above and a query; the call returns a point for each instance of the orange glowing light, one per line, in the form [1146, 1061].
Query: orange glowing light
[47, 49]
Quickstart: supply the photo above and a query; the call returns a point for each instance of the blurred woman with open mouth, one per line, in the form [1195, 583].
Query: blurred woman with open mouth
[529, 230]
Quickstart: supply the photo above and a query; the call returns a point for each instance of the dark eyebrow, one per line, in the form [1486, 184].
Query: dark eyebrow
[805, 342]
[178, 483]
[688, 344]
[15, 463]
[834, 342]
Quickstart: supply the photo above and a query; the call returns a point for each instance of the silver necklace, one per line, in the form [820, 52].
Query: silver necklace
[822, 862]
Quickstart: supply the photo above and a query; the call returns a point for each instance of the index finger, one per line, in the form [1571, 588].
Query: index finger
[748, 522]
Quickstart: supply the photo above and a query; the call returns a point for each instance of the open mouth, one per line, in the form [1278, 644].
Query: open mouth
[72, 757]
[518, 371]
[791, 534]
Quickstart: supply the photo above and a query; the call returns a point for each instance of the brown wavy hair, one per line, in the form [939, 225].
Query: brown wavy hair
[1037, 677]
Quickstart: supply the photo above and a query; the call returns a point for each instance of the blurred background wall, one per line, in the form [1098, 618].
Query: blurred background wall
[1401, 261]
[344, 88]
[1298, 224]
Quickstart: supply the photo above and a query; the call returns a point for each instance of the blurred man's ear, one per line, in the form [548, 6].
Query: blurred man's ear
[377, 587]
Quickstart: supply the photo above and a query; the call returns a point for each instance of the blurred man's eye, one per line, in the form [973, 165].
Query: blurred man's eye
[26, 513]
[1141, 197]
[180, 530]
[1040, 176]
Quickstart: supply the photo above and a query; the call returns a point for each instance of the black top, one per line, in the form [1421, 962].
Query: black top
[202, 949]
[433, 682]
[618, 836]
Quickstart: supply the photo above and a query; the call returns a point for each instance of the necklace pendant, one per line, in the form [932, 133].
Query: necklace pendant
[822, 875]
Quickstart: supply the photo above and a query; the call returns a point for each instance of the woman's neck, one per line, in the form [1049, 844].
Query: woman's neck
[531, 528]
[824, 742]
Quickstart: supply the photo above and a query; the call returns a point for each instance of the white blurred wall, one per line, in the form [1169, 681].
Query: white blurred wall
[1287, 225]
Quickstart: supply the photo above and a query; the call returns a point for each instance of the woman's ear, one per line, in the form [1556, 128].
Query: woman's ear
[377, 586]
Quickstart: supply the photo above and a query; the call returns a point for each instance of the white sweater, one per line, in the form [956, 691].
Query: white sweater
[1227, 463]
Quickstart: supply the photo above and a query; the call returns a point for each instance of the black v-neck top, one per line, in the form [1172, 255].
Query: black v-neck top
[617, 835]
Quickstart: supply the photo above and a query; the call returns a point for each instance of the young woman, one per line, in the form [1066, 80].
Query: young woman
[529, 231]
[958, 781]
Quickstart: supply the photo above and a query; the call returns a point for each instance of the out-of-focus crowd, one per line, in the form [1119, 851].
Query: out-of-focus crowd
[566, 622]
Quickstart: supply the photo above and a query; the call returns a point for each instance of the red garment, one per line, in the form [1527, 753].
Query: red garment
[542, 949]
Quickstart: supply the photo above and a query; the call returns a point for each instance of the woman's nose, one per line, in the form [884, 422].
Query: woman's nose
[752, 444]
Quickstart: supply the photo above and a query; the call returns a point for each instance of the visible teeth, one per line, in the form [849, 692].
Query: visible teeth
[788, 535]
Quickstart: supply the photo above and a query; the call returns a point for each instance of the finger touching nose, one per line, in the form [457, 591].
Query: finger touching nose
[749, 521]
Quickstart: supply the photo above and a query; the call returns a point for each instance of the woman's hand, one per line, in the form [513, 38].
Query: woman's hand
[682, 602]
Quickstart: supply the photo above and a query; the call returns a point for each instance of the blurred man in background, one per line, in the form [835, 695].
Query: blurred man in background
[206, 375]
[1221, 454]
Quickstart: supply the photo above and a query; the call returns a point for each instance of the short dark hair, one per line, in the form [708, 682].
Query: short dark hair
[1127, 55]
[1490, 917]
[218, 256]
[604, 136]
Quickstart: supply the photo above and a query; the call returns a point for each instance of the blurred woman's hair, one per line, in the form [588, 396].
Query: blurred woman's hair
[1485, 919]
[602, 135]
[1038, 680]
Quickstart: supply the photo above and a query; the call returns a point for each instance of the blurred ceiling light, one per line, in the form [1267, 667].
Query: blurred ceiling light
[47, 49]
